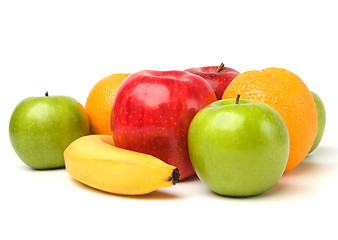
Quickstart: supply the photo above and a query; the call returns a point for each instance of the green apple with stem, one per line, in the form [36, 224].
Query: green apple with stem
[238, 148]
[321, 115]
[41, 128]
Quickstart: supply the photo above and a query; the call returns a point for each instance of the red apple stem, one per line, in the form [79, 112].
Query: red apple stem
[237, 98]
[220, 67]
[46, 93]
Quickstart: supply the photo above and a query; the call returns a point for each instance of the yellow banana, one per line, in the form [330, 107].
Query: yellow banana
[95, 161]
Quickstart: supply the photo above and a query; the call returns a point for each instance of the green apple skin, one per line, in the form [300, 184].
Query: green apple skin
[321, 115]
[238, 150]
[41, 128]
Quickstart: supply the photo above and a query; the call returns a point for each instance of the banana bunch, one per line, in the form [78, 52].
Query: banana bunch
[95, 161]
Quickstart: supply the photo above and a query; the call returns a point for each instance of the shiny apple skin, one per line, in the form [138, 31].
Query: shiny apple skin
[152, 111]
[238, 150]
[218, 81]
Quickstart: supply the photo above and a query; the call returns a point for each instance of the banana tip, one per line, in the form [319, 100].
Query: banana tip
[174, 178]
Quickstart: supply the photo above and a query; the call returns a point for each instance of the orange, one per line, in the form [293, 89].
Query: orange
[100, 101]
[290, 97]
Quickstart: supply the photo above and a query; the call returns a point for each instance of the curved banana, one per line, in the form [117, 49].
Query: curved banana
[95, 161]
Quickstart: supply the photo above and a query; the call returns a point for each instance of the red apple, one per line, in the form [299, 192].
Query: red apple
[218, 77]
[152, 111]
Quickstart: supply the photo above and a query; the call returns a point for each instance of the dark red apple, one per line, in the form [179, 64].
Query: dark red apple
[152, 111]
[218, 77]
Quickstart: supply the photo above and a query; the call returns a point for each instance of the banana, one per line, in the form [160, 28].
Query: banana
[95, 161]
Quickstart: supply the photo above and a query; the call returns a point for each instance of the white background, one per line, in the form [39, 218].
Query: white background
[65, 47]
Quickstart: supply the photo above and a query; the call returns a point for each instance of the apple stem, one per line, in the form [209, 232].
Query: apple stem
[237, 98]
[46, 93]
[220, 67]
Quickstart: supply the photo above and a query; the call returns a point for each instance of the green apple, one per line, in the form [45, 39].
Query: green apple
[321, 115]
[41, 128]
[238, 148]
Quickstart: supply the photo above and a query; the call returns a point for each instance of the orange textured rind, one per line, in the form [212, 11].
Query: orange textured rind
[290, 97]
[100, 100]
